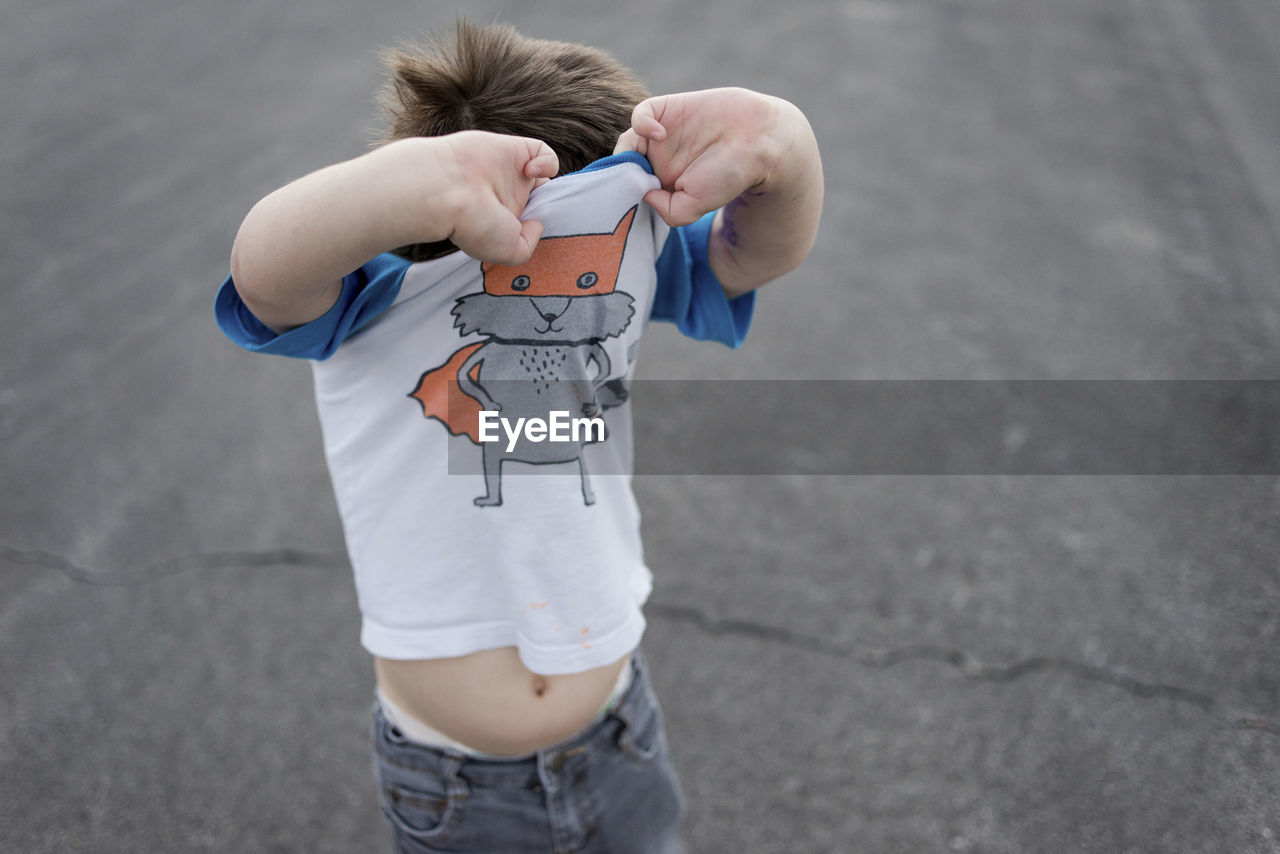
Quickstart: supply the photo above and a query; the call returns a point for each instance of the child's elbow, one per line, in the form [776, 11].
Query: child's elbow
[252, 286]
[242, 275]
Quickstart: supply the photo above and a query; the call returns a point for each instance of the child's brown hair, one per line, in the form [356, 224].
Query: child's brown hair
[577, 99]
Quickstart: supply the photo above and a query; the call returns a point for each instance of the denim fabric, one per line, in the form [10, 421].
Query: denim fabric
[610, 788]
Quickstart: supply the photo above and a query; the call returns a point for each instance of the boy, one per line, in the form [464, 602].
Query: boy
[513, 710]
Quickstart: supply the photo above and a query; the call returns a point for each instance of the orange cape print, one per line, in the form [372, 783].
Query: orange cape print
[442, 397]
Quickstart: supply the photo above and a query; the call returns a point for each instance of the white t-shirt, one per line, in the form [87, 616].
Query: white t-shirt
[532, 539]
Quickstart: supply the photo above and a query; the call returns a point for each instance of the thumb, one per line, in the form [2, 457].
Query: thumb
[631, 141]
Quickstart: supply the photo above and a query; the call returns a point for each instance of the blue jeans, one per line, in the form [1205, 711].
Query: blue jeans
[610, 788]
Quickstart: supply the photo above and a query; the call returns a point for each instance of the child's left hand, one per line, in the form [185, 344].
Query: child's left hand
[711, 147]
[707, 147]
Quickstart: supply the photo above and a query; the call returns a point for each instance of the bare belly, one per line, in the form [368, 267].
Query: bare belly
[491, 702]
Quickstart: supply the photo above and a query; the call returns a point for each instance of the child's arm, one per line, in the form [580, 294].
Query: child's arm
[297, 244]
[752, 154]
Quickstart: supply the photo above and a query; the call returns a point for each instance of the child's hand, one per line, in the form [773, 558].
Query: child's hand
[751, 156]
[295, 246]
[490, 177]
[708, 147]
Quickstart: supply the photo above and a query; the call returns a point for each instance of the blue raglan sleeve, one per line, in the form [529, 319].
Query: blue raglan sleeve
[366, 293]
[689, 294]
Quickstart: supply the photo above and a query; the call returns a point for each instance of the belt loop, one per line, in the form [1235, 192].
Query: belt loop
[452, 764]
[449, 768]
[546, 774]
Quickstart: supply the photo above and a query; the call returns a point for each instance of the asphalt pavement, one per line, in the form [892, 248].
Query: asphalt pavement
[936, 661]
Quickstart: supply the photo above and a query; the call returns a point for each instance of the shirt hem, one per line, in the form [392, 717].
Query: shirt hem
[584, 651]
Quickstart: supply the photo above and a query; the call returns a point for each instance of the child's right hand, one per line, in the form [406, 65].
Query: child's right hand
[488, 179]
[296, 244]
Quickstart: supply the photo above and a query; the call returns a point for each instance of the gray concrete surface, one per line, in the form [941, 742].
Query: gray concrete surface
[1016, 189]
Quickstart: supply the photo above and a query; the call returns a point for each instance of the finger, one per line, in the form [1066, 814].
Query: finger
[645, 121]
[676, 209]
[516, 247]
[542, 162]
[685, 208]
[502, 239]
[530, 233]
[660, 201]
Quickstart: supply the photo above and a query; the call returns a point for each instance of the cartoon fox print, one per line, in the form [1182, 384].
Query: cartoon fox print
[544, 321]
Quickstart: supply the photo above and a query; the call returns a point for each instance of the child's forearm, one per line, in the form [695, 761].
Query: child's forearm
[297, 244]
[768, 230]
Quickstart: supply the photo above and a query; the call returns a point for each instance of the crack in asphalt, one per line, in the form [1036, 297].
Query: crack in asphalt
[173, 566]
[967, 664]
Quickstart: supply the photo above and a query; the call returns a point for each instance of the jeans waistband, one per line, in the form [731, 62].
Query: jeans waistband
[614, 727]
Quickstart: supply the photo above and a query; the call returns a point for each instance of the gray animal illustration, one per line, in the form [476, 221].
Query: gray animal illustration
[545, 321]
